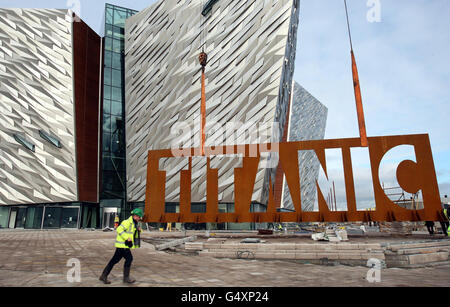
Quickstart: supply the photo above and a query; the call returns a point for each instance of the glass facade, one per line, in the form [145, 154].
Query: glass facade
[112, 169]
[4, 217]
[49, 216]
[34, 217]
[113, 184]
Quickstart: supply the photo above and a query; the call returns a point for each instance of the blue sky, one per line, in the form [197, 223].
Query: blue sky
[403, 62]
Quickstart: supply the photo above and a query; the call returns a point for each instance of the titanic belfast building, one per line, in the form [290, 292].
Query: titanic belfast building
[80, 110]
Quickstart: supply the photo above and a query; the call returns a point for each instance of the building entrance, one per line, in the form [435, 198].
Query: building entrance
[17, 217]
[108, 217]
[12, 218]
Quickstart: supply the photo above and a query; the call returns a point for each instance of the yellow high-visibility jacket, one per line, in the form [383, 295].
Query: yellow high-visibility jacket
[126, 230]
[446, 215]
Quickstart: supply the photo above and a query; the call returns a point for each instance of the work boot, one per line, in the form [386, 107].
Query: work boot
[104, 276]
[126, 276]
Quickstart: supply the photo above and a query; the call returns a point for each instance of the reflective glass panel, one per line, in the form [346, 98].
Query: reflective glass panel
[69, 217]
[108, 43]
[107, 76]
[34, 218]
[118, 32]
[119, 17]
[108, 57]
[106, 122]
[107, 92]
[106, 106]
[117, 78]
[109, 15]
[52, 218]
[118, 45]
[116, 61]
[106, 142]
[116, 94]
[116, 108]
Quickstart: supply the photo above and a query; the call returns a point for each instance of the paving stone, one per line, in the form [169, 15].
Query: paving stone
[37, 252]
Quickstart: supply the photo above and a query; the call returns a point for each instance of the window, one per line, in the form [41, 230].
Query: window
[118, 32]
[118, 45]
[106, 122]
[109, 15]
[52, 218]
[107, 106]
[69, 217]
[117, 146]
[119, 17]
[22, 141]
[34, 218]
[116, 108]
[108, 43]
[116, 61]
[108, 56]
[117, 78]
[116, 124]
[107, 76]
[50, 138]
[116, 94]
[106, 142]
[109, 30]
[112, 181]
[107, 163]
[107, 92]
[113, 164]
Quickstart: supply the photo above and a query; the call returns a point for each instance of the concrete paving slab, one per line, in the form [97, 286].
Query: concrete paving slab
[39, 258]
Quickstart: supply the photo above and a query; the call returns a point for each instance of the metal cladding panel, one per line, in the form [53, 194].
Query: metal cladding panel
[251, 51]
[308, 120]
[36, 93]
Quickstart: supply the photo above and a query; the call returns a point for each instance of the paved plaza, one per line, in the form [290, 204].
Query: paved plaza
[33, 258]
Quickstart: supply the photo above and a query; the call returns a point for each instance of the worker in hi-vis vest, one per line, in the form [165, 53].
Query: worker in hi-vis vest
[445, 225]
[128, 238]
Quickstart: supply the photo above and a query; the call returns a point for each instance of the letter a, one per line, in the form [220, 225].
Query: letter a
[374, 14]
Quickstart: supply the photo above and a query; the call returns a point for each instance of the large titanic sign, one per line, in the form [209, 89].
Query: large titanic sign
[411, 176]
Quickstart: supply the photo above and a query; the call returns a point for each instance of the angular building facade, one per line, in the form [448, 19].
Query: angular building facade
[307, 121]
[79, 112]
[49, 116]
[251, 55]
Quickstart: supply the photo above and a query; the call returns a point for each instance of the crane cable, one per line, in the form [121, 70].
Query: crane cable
[348, 25]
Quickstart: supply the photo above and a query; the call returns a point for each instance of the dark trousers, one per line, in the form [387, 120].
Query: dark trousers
[444, 226]
[430, 229]
[118, 255]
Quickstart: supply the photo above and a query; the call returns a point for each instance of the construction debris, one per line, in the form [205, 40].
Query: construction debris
[175, 243]
[320, 236]
[403, 228]
[331, 235]
[342, 234]
[251, 240]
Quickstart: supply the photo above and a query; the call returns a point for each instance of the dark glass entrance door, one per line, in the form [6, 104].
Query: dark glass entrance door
[70, 217]
[52, 218]
[20, 218]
